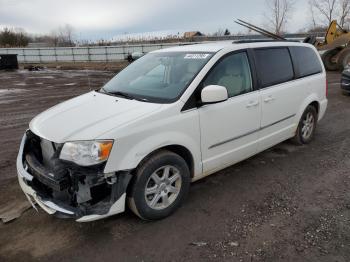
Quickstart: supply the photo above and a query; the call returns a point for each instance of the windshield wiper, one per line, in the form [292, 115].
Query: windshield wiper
[120, 94]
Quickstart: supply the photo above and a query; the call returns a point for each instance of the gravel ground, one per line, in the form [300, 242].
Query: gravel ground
[288, 203]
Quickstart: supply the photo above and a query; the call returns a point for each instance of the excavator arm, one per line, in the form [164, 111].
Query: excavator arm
[335, 37]
[331, 33]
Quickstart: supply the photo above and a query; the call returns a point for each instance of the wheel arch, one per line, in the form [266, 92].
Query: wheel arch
[180, 150]
[309, 101]
[316, 105]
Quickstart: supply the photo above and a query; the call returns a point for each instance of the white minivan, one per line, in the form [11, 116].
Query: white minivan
[172, 117]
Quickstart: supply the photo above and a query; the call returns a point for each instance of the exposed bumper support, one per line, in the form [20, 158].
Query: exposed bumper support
[53, 208]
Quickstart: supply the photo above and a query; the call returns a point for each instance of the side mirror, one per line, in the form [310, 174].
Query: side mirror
[214, 94]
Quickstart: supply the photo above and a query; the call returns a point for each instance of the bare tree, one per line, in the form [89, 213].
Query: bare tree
[327, 8]
[344, 12]
[219, 32]
[53, 39]
[64, 35]
[279, 11]
[330, 10]
[312, 11]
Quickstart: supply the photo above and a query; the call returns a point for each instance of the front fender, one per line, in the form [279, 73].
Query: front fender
[169, 127]
[136, 152]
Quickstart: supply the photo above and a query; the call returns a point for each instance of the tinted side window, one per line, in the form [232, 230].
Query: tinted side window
[306, 60]
[232, 72]
[274, 66]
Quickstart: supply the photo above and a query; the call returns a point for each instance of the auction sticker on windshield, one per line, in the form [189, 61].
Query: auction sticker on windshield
[196, 56]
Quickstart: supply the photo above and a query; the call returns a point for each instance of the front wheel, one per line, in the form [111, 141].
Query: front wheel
[307, 126]
[160, 186]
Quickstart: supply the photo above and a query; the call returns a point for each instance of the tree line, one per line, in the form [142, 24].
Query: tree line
[16, 37]
[13, 38]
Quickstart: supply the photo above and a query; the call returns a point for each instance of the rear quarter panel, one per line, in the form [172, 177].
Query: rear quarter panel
[317, 90]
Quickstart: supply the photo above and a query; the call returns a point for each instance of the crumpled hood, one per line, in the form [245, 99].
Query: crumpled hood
[88, 116]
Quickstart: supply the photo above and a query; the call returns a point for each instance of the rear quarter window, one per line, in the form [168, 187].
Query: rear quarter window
[306, 61]
[274, 66]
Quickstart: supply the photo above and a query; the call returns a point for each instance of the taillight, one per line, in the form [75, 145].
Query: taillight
[326, 88]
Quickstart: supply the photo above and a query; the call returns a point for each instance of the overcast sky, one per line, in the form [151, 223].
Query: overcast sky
[97, 19]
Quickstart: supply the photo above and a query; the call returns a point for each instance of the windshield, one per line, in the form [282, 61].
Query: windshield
[158, 77]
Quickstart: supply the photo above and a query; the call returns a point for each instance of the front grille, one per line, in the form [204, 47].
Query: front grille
[44, 175]
[45, 168]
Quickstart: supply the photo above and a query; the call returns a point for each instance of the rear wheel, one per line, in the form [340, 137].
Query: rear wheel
[307, 126]
[161, 184]
[328, 60]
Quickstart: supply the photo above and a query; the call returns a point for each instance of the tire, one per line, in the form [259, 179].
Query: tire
[166, 175]
[327, 60]
[307, 126]
[345, 93]
[344, 58]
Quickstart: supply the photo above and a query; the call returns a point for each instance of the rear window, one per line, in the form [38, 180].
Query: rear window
[306, 60]
[274, 66]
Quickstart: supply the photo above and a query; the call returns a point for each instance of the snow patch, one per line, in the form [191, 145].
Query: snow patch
[11, 91]
[41, 77]
[20, 84]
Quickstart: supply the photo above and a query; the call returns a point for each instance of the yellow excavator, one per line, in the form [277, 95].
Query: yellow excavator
[335, 48]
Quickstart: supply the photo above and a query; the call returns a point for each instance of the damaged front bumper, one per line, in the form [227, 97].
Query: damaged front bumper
[35, 185]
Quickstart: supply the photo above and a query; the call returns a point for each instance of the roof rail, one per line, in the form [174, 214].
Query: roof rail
[262, 41]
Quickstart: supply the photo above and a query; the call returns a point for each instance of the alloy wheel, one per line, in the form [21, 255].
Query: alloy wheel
[308, 126]
[163, 187]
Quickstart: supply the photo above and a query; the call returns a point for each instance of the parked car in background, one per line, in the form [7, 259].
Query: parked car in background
[171, 117]
[345, 81]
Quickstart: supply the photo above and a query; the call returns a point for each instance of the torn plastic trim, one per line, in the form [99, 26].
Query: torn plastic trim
[33, 197]
[116, 208]
[20, 168]
[53, 209]
[114, 204]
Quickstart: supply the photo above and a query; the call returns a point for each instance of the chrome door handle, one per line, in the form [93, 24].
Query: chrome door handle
[252, 104]
[269, 99]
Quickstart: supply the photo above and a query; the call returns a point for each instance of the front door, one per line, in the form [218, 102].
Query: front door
[229, 129]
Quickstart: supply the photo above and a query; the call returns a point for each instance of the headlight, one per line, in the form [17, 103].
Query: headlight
[86, 153]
